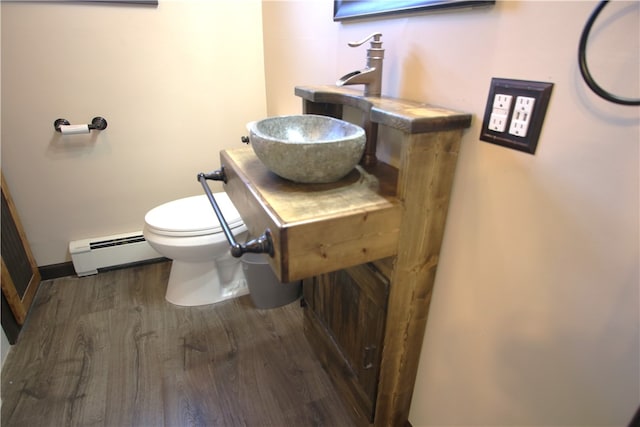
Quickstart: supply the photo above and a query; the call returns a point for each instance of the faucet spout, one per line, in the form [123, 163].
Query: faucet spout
[370, 77]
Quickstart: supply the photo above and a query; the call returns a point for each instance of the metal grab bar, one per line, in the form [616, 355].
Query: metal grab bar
[98, 123]
[260, 245]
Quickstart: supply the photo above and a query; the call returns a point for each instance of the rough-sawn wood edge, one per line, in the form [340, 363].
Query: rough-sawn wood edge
[407, 116]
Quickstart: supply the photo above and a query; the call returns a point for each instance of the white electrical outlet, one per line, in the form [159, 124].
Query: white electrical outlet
[514, 113]
[522, 112]
[500, 112]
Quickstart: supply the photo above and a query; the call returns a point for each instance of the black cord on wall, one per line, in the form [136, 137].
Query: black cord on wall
[584, 70]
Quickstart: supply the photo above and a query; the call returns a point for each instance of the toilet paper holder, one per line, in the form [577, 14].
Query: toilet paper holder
[98, 123]
[260, 245]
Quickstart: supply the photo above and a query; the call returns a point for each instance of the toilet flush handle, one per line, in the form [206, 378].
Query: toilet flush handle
[260, 245]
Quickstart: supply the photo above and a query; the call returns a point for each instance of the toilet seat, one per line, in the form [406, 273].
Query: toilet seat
[192, 216]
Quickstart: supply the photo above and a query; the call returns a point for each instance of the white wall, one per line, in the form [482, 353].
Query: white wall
[176, 83]
[534, 318]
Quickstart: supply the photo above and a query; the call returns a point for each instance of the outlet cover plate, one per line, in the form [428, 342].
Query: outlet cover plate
[540, 91]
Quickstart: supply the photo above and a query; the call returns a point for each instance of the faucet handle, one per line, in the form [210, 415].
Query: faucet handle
[376, 40]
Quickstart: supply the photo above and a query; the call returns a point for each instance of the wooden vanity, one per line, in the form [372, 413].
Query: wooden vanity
[366, 246]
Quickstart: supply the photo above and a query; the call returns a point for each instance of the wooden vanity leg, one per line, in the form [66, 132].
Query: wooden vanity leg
[428, 162]
[371, 130]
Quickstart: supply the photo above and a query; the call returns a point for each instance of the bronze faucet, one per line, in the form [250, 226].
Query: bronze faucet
[371, 75]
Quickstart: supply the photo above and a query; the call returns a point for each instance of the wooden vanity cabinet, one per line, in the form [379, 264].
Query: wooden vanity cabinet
[367, 247]
[345, 318]
[429, 141]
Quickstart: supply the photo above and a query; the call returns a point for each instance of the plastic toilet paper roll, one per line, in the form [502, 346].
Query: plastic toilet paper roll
[74, 129]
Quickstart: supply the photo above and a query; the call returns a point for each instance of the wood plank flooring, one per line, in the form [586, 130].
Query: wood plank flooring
[108, 350]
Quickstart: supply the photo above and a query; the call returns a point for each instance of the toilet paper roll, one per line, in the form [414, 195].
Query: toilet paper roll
[74, 129]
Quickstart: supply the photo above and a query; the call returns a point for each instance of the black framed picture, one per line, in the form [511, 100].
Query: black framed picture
[149, 2]
[141, 2]
[133, 2]
[359, 9]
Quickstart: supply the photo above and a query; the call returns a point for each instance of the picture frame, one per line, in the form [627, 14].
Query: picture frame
[141, 2]
[344, 10]
[123, 2]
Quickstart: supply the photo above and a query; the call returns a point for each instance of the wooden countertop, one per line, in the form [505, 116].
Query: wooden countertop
[407, 116]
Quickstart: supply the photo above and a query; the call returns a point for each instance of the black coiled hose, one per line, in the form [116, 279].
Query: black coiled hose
[584, 70]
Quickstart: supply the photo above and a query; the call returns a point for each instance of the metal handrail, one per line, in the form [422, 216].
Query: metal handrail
[260, 245]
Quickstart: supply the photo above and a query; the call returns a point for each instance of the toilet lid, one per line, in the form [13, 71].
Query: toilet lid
[192, 216]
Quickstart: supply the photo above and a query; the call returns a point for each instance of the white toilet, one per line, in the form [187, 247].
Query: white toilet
[188, 232]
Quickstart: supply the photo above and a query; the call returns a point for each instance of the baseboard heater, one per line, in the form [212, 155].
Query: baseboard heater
[89, 255]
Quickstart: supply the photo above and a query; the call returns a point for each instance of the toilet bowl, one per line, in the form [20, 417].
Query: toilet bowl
[188, 232]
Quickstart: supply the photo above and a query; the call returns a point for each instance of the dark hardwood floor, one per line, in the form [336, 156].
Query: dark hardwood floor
[108, 350]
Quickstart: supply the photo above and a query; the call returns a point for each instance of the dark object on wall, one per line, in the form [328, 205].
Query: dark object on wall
[349, 9]
[537, 92]
[142, 2]
[123, 2]
[584, 69]
[20, 275]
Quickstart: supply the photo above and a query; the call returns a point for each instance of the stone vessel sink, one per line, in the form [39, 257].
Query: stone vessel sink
[307, 148]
